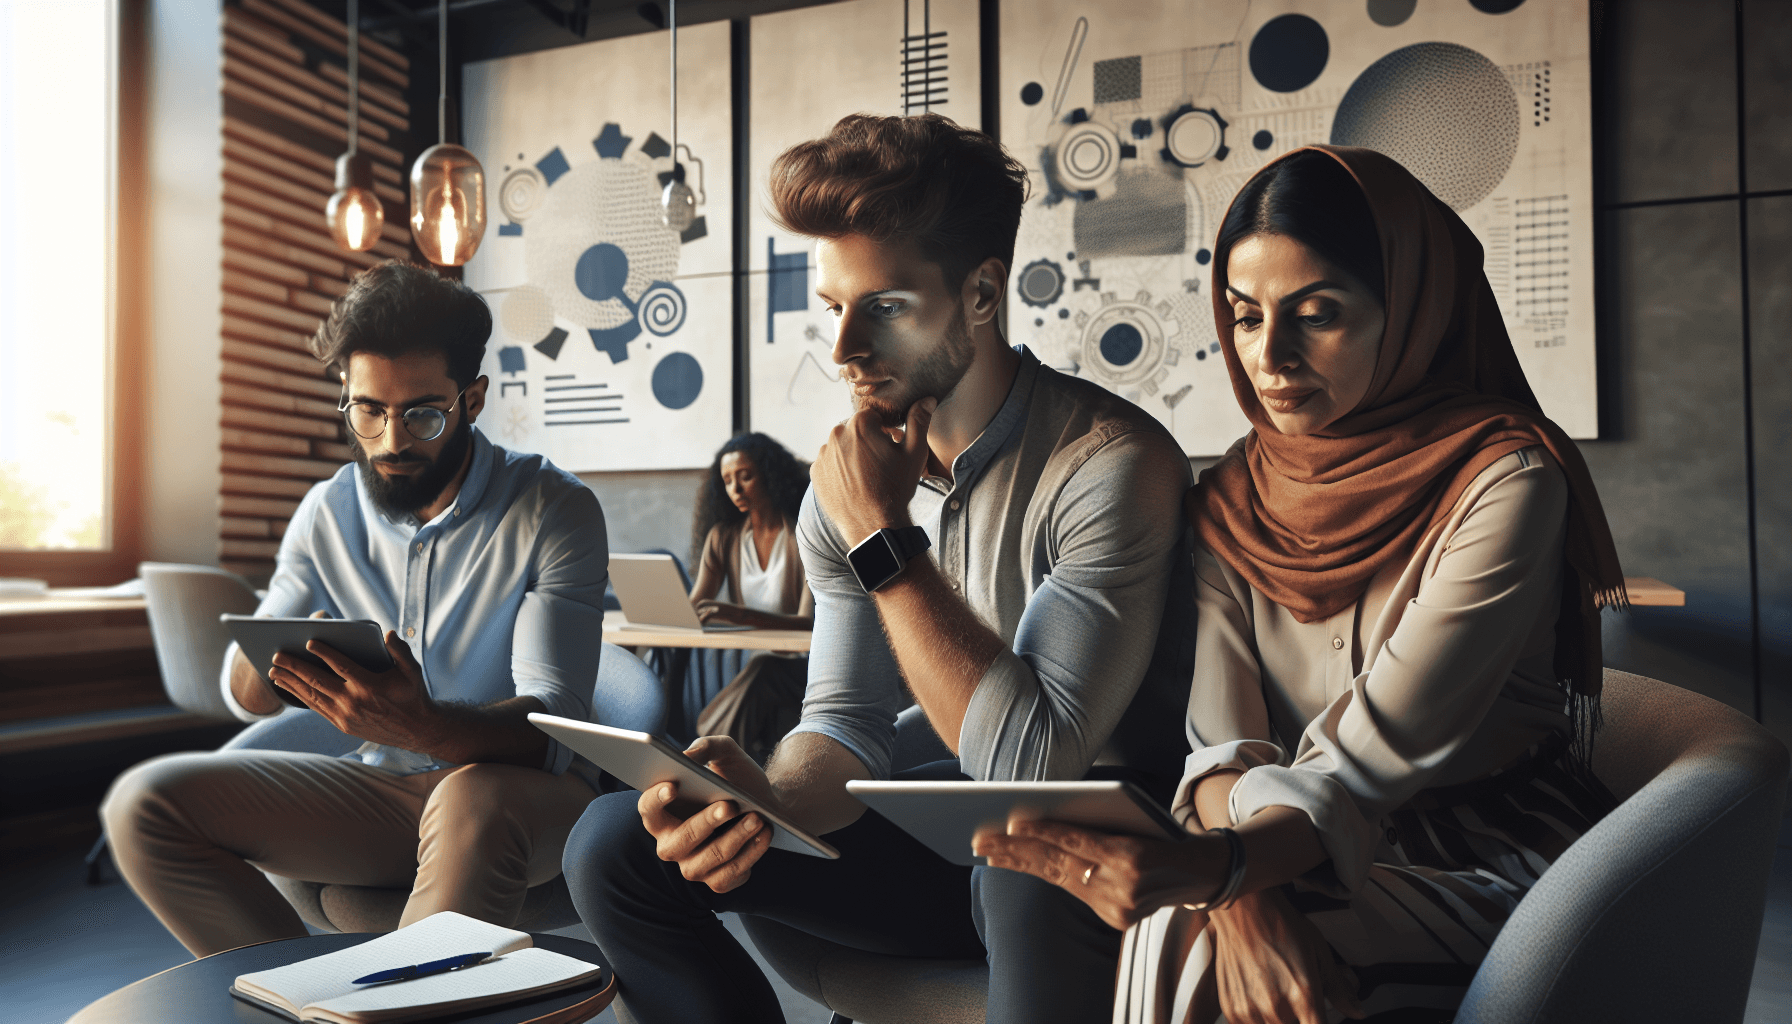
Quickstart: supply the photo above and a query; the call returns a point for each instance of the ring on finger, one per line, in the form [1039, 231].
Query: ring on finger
[1089, 872]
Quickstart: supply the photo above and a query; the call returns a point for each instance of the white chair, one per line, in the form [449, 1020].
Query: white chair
[184, 604]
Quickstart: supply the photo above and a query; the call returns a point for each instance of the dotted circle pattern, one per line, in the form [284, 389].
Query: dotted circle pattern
[526, 314]
[613, 201]
[1442, 110]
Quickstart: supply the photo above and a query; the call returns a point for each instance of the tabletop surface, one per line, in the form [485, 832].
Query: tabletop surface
[619, 631]
[198, 992]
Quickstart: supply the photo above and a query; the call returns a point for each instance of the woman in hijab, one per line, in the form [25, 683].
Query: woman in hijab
[1399, 572]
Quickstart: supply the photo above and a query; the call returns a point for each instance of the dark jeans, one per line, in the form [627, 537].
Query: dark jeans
[1051, 959]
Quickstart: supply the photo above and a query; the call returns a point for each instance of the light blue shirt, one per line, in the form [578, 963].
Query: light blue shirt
[499, 596]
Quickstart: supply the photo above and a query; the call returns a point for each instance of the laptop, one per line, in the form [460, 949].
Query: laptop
[653, 596]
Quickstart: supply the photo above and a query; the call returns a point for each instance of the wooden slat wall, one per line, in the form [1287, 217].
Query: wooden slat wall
[285, 106]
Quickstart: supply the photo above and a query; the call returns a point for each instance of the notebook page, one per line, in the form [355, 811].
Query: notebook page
[509, 977]
[436, 936]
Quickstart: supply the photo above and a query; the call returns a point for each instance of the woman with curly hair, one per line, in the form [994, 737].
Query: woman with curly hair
[745, 532]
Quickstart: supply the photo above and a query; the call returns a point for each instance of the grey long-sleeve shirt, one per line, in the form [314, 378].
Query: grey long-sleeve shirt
[1062, 528]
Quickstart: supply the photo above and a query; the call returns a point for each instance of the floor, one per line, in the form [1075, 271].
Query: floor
[64, 944]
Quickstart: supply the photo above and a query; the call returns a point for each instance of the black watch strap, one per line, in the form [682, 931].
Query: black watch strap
[881, 557]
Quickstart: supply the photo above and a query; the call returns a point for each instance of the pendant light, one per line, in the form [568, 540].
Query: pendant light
[355, 213]
[447, 185]
[678, 204]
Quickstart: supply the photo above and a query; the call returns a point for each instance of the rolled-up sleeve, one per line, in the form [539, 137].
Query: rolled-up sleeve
[296, 590]
[1428, 689]
[1045, 709]
[557, 642]
[855, 689]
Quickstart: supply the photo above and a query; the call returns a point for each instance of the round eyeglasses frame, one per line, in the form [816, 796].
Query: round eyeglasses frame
[423, 422]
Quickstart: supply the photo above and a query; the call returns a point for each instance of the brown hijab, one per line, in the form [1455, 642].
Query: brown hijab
[1309, 520]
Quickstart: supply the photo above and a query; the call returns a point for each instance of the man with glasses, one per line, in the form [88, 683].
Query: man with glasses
[486, 568]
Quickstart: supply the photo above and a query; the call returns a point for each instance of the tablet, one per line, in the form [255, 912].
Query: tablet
[643, 760]
[945, 815]
[261, 638]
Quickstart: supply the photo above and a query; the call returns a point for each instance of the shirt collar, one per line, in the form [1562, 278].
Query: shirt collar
[1007, 419]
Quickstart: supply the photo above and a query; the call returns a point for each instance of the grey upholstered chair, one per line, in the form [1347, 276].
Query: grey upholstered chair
[1652, 916]
[184, 604]
[628, 696]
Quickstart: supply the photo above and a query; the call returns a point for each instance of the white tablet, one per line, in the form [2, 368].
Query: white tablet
[643, 760]
[944, 816]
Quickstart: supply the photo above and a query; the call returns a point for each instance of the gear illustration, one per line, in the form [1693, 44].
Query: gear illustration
[1125, 344]
[1041, 283]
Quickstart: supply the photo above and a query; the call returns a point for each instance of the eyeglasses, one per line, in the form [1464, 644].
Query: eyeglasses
[424, 422]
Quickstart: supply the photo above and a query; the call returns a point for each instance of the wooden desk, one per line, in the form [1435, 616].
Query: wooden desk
[71, 655]
[1647, 592]
[789, 641]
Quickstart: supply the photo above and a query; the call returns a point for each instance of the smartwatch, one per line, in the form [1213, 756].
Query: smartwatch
[881, 557]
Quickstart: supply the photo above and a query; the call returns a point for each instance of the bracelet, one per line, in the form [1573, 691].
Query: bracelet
[1229, 892]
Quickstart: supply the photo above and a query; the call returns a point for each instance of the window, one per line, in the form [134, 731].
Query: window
[59, 368]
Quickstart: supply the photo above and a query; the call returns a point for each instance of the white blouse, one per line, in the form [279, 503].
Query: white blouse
[762, 587]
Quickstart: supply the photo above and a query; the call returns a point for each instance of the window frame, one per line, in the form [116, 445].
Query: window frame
[126, 321]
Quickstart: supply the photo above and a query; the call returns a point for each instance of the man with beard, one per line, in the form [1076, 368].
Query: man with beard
[486, 568]
[1047, 637]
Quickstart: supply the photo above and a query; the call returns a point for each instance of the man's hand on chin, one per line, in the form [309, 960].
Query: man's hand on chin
[864, 479]
[391, 707]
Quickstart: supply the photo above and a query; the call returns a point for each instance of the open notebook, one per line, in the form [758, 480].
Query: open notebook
[322, 988]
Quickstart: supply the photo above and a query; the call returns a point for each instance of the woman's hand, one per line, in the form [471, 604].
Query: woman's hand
[1273, 966]
[720, 611]
[1122, 878]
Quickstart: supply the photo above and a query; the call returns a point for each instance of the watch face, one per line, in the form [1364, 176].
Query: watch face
[874, 562]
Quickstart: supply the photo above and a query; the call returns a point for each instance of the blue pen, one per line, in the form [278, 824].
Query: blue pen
[453, 963]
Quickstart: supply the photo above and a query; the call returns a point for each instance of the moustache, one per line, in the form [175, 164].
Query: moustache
[400, 460]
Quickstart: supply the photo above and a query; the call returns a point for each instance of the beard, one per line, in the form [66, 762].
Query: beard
[403, 495]
[935, 375]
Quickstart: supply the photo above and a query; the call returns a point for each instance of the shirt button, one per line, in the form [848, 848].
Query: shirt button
[457, 511]
[1337, 643]
[954, 504]
[419, 548]
[410, 631]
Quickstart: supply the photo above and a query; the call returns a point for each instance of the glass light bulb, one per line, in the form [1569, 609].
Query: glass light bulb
[355, 216]
[447, 204]
[678, 206]
[355, 213]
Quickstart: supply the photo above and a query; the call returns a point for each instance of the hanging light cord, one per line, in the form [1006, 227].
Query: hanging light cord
[672, 5]
[354, 75]
[442, 66]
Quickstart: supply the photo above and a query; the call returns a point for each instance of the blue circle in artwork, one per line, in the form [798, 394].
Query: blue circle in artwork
[601, 272]
[1200, 353]
[1038, 321]
[1263, 140]
[677, 380]
[1204, 257]
[1496, 6]
[1032, 93]
[1289, 52]
[1063, 314]
[1121, 344]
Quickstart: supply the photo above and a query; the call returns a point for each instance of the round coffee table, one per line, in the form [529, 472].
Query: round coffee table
[199, 992]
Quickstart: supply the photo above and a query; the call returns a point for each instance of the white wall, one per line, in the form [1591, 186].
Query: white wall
[181, 399]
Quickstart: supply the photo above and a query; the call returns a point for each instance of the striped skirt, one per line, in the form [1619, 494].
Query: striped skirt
[1453, 866]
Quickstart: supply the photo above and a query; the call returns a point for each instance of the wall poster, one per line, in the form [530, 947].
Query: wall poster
[811, 67]
[613, 345]
[1140, 122]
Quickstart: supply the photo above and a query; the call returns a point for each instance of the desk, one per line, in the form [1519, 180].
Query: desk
[1645, 591]
[788, 641]
[198, 992]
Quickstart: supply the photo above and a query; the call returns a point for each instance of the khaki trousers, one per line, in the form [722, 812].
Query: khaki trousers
[192, 834]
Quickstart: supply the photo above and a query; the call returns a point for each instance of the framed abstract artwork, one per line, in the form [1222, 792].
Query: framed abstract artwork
[1139, 122]
[613, 344]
